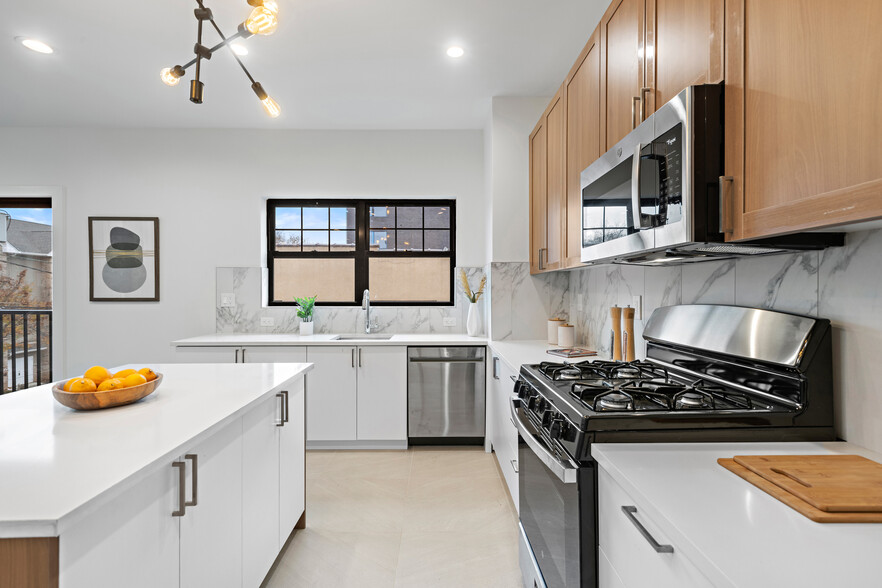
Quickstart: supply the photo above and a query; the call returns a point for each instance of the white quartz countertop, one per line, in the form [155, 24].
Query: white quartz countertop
[247, 339]
[734, 532]
[517, 353]
[57, 464]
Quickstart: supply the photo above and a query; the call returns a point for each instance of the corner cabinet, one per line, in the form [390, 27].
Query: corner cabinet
[548, 188]
[802, 115]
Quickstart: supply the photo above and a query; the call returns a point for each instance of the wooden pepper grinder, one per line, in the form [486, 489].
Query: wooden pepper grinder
[616, 314]
[629, 334]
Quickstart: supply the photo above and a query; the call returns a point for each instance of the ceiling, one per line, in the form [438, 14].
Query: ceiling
[332, 64]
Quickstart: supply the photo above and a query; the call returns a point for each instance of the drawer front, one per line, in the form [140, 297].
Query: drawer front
[607, 576]
[630, 553]
[507, 456]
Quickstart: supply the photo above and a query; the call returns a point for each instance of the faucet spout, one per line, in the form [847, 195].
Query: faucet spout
[366, 306]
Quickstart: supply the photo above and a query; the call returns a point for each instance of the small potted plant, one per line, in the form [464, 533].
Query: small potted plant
[305, 310]
[473, 296]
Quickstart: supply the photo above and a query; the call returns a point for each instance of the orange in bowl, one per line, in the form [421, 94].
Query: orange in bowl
[82, 385]
[98, 374]
[134, 379]
[110, 384]
[147, 373]
[123, 373]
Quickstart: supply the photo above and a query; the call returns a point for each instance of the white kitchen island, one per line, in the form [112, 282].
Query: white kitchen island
[95, 498]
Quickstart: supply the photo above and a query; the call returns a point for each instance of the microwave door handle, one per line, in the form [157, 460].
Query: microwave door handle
[640, 220]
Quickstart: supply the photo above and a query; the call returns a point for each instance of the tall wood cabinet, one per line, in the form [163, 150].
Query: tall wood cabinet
[622, 39]
[548, 188]
[802, 115]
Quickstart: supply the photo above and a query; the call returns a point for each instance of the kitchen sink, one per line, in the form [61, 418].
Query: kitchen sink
[362, 337]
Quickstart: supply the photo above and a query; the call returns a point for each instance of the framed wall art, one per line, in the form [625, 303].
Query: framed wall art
[123, 259]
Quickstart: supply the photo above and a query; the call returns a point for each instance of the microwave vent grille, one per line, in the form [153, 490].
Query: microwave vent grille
[735, 250]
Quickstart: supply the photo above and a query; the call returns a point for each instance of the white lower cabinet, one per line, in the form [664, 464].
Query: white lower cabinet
[292, 464]
[626, 543]
[241, 354]
[266, 354]
[382, 394]
[503, 434]
[330, 394]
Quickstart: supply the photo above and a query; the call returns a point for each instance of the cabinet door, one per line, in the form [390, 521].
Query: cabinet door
[802, 114]
[621, 38]
[382, 393]
[330, 394]
[131, 541]
[583, 139]
[507, 448]
[211, 531]
[538, 192]
[280, 354]
[555, 182]
[207, 354]
[684, 47]
[292, 463]
[260, 489]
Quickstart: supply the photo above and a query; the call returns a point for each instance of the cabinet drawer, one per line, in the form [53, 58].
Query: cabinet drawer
[507, 456]
[630, 553]
[607, 576]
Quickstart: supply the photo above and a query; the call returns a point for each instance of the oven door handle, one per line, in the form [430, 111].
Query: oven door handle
[565, 471]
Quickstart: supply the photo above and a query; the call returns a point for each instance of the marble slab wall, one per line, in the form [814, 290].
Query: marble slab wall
[843, 284]
[246, 283]
[521, 304]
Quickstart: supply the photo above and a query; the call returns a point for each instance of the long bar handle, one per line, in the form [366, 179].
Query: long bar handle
[237, 356]
[353, 356]
[281, 421]
[495, 368]
[541, 261]
[643, 92]
[359, 357]
[182, 481]
[514, 466]
[285, 394]
[634, 102]
[194, 459]
[243, 355]
[630, 512]
[727, 205]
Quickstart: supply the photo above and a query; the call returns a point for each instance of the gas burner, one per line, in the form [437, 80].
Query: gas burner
[614, 400]
[638, 369]
[693, 398]
[569, 373]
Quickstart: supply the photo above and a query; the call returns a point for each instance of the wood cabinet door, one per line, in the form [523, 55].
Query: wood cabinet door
[382, 393]
[622, 38]
[260, 489]
[555, 121]
[211, 530]
[684, 47]
[538, 192]
[330, 394]
[292, 463]
[582, 90]
[802, 114]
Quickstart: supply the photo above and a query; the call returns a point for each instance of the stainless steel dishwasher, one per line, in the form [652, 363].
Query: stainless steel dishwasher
[445, 395]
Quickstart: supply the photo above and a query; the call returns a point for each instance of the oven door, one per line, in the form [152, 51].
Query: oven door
[556, 510]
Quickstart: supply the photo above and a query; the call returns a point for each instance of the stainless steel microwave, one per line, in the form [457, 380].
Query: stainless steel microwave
[658, 188]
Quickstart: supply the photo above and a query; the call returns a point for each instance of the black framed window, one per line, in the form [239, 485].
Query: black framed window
[403, 251]
[604, 220]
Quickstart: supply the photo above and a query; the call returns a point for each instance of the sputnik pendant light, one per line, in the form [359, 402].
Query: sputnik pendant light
[263, 20]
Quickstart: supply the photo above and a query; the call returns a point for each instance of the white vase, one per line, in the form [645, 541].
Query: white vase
[472, 321]
[306, 328]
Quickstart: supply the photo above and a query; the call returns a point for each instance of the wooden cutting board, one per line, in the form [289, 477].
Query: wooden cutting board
[797, 504]
[831, 483]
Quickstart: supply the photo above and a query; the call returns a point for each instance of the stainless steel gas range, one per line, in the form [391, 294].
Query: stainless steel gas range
[712, 373]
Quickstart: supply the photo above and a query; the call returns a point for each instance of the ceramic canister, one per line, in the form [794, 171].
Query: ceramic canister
[553, 324]
[566, 336]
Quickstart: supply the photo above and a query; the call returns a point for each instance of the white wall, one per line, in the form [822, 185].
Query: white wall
[208, 188]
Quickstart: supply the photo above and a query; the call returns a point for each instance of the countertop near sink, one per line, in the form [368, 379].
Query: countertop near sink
[735, 533]
[253, 339]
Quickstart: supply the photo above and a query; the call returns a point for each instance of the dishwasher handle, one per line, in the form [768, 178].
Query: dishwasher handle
[445, 360]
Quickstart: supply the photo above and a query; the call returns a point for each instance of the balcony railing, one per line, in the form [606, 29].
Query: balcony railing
[25, 349]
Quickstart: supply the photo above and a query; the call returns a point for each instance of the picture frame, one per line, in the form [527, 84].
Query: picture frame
[123, 259]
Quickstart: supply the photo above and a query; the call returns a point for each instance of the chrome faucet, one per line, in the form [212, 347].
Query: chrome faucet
[366, 306]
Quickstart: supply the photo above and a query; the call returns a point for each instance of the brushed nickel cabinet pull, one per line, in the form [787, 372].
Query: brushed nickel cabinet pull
[243, 355]
[353, 356]
[542, 258]
[182, 481]
[727, 205]
[495, 368]
[643, 92]
[285, 394]
[237, 356]
[359, 357]
[634, 102]
[514, 466]
[281, 421]
[195, 461]
[630, 512]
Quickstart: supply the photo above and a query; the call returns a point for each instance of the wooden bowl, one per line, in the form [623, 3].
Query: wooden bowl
[105, 399]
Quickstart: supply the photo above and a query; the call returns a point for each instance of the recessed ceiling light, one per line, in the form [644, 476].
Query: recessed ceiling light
[35, 45]
[239, 49]
[455, 51]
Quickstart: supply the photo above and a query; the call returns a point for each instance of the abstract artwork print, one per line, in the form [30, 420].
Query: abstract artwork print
[123, 259]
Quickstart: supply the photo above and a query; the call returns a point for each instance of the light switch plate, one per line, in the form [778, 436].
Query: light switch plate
[637, 303]
[449, 321]
[267, 321]
[228, 300]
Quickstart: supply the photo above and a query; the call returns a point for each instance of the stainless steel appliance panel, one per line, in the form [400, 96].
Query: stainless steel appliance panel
[445, 392]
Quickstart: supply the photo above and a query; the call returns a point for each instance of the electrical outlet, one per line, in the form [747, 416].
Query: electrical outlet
[267, 321]
[637, 303]
[228, 300]
[449, 321]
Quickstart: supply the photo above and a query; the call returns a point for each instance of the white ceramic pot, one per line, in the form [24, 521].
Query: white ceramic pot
[473, 321]
[306, 328]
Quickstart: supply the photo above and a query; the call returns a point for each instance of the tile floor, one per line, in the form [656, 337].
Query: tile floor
[419, 518]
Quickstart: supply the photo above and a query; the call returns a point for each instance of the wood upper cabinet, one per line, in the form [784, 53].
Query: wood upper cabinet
[548, 188]
[684, 47]
[583, 146]
[622, 37]
[802, 114]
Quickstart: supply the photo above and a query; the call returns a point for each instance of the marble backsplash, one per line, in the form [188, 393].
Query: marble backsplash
[521, 304]
[841, 284]
[244, 317]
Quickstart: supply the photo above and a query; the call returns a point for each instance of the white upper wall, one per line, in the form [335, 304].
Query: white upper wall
[208, 189]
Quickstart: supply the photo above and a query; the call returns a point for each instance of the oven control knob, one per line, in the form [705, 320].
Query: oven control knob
[522, 389]
[532, 402]
[558, 427]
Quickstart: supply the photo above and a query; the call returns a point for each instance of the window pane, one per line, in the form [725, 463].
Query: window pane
[287, 240]
[342, 240]
[616, 216]
[315, 240]
[410, 279]
[382, 217]
[382, 240]
[592, 237]
[343, 218]
[437, 241]
[410, 241]
[437, 217]
[410, 216]
[592, 217]
[287, 218]
[315, 218]
[332, 280]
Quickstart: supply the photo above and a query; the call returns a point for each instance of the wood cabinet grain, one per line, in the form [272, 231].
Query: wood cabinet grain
[622, 38]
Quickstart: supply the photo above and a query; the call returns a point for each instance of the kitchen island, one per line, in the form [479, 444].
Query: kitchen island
[199, 484]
